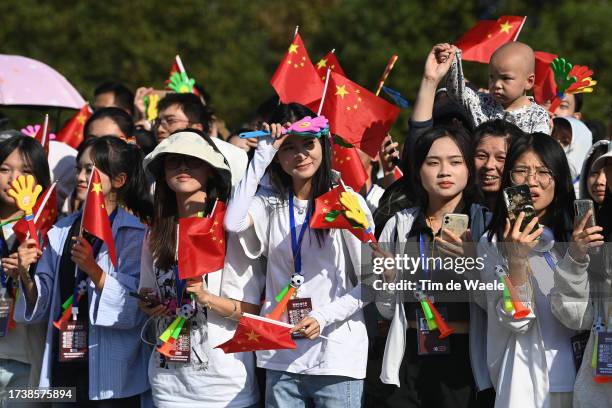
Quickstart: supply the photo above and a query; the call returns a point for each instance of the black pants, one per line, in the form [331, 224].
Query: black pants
[425, 381]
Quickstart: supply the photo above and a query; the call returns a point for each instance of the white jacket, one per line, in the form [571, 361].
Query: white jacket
[516, 353]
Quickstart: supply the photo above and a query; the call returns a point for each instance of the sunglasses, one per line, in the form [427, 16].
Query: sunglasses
[173, 162]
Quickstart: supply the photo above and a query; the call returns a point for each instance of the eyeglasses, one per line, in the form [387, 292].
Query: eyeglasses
[174, 162]
[521, 175]
[168, 122]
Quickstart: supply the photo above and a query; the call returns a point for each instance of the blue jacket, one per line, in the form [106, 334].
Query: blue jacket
[117, 358]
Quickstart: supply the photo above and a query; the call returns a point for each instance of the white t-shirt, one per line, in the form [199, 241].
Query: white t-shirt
[328, 274]
[212, 378]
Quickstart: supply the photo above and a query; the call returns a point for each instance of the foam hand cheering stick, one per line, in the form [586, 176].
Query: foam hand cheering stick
[570, 79]
[25, 192]
[181, 83]
[307, 126]
[352, 211]
[150, 102]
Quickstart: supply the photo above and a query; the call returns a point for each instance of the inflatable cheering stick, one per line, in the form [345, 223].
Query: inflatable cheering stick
[283, 297]
[307, 126]
[444, 328]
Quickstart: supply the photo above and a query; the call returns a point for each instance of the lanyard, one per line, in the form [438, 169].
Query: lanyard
[3, 277]
[296, 241]
[180, 286]
[550, 261]
[424, 263]
[77, 276]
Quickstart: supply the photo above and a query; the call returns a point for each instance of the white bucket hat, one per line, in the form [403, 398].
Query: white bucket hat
[601, 160]
[189, 144]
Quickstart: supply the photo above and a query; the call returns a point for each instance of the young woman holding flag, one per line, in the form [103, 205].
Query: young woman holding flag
[270, 210]
[83, 279]
[193, 181]
[21, 346]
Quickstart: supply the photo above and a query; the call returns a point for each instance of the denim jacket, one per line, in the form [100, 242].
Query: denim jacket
[117, 357]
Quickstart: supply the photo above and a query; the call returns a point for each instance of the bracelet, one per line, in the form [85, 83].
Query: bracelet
[234, 315]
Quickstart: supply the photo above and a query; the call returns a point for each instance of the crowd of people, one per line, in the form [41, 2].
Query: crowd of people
[464, 147]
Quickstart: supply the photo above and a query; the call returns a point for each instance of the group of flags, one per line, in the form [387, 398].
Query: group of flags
[358, 118]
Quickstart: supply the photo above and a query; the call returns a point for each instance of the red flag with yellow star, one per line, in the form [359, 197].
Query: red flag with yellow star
[544, 87]
[201, 246]
[481, 41]
[357, 115]
[45, 213]
[258, 333]
[296, 79]
[328, 214]
[346, 160]
[330, 61]
[95, 217]
[72, 132]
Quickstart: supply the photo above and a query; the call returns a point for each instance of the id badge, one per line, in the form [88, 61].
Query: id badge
[579, 343]
[427, 340]
[298, 309]
[6, 306]
[181, 353]
[73, 343]
[604, 354]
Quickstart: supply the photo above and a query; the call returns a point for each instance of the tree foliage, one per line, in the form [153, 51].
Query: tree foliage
[232, 47]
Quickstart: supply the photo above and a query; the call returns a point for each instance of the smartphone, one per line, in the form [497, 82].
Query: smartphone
[581, 207]
[518, 199]
[150, 301]
[456, 223]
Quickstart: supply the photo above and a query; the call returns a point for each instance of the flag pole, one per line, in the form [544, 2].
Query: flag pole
[45, 128]
[520, 28]
[297, 28]
[333, 51]
[42, 205]
[324, 92]
[278, 323]
[180, 64]
[93, 168]
[385, 74]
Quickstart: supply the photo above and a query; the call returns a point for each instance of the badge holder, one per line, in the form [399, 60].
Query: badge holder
[428, 339]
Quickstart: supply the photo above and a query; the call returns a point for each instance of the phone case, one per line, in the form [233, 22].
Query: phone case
[456, 223]
[581, 207]
[517, 199]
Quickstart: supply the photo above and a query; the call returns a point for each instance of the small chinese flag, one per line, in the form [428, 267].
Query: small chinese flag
[95, 217]
[72, 132]
[357, 115]
[296, 79]
[258, 333]
[330, 61]
[545, 87]
[346, 160]
[201, 246]
[45, 213]
[42, 136]
[481, 41]
[328, 214]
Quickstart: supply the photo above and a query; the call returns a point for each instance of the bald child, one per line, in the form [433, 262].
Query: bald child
[511, 75]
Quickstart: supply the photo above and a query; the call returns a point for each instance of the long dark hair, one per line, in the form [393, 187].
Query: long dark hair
[33, 155]
[122, 119]
[321, 180]
[114, 156]
[409, 192]
[560, 211]
[162, 237]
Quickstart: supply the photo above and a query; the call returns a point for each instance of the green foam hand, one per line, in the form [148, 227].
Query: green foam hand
[181, 83]
[562, 68]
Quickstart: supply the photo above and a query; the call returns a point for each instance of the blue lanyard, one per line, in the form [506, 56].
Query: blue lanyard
[296, 241]
[3, 277]
[180, 286]
[550, 261]
[77, 279]
[424, 264]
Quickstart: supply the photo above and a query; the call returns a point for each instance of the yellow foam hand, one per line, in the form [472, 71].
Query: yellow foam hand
[151, 102]
[25, 192]
[352, 210]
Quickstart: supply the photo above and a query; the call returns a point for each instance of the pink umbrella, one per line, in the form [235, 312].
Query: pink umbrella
[24, 81]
